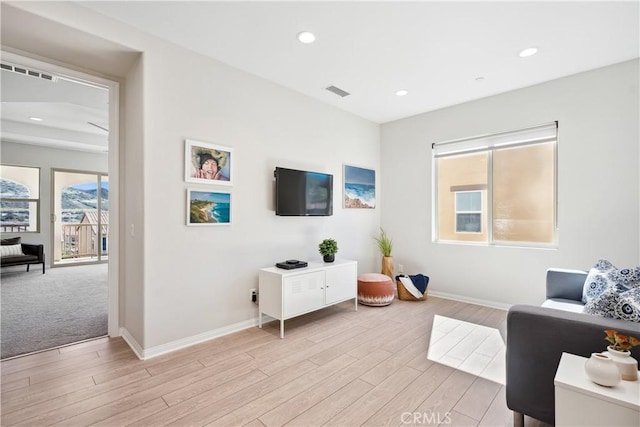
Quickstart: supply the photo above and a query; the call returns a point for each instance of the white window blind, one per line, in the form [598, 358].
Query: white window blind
[533, 135]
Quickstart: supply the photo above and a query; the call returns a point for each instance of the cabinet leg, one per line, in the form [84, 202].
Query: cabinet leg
[281, 329]
[260, 320]
[518, 419]
[355, 300]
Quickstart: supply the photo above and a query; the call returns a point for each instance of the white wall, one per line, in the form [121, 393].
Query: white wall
[47, 159]
[196, 280]
[202, 276]
[598, 184]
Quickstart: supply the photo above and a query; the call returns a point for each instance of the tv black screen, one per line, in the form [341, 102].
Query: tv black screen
[303, 193]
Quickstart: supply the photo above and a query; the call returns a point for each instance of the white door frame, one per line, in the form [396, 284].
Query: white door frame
[114, 195]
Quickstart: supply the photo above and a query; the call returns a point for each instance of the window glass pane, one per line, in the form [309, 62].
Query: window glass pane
[523, 193]
[468, 223]
[475, 200]
[13, 190]
[462, 202]
[82, 215]
[18, 216]
[104, 229]
[453, 174]
[468, 201]
[17, 185]
[28, 178]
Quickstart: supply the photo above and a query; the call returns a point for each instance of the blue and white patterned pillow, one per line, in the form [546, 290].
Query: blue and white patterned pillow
[629, 277]
[616, 305]
[628, 308]
[603, 305]
[605, 276]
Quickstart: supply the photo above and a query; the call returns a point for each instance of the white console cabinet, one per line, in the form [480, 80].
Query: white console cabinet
[581, 402]
[284, 294]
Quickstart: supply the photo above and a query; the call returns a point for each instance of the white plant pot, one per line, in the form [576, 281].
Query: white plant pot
[602, 370]
[627, 365]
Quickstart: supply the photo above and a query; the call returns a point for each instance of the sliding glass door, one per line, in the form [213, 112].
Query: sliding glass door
[80, 219]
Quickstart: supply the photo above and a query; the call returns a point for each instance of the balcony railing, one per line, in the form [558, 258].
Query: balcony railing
[14, 228]
[81, 240]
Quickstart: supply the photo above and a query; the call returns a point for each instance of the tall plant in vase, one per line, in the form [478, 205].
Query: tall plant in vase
[385, 244]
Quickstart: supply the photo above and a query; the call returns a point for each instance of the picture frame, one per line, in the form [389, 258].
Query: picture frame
[206, 163]
[359, 187]
[208, 208]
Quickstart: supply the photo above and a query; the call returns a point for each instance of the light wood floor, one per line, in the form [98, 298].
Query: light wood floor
[335, 367]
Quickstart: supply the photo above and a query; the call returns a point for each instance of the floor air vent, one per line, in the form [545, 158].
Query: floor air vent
[338, 91]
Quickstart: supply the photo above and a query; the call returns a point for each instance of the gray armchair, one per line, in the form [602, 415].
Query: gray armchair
[537, 337]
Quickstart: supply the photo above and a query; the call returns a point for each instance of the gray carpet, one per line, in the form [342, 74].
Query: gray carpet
[42, 311]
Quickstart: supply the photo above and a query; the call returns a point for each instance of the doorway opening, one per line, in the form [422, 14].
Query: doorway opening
[84, 230]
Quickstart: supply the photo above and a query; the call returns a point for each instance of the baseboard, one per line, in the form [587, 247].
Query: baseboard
[133, 344]
[477, 301]
[144, 354]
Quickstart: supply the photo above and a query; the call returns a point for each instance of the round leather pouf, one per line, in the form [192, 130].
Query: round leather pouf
[375, 289]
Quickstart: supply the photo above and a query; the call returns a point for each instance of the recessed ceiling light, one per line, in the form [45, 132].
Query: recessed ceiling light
[36, 119]
[528, 52]
[306, 37]
[402, 92]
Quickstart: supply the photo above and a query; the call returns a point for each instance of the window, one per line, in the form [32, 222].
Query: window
[20, 199]
[468, 212]
[497, 189]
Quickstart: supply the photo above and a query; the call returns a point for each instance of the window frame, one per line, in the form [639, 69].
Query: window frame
[23, 200]
[456, 212]
[489, 148]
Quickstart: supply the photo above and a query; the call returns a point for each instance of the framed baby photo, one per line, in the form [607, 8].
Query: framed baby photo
[206, 163]
[208, 207]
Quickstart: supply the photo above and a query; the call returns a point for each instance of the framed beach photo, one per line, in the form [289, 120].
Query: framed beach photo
[207, 163]
[208, 207]
[359, 188]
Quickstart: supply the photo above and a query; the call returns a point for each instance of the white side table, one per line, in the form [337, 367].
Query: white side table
[581, 402]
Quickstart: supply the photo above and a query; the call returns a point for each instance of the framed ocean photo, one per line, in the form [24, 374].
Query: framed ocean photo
[359, 188]
[208, 207]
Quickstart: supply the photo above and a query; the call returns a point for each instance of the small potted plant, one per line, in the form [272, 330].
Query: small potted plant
[328, 249]
[385, 244]
[619, 342]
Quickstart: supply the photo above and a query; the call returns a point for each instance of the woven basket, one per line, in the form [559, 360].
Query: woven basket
[405, 295]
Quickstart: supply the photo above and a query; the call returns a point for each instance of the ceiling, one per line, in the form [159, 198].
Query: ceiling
[442, 53]
[72, 115]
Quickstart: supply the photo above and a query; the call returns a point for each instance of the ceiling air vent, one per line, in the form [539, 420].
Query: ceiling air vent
[26, 72]
[338, 91]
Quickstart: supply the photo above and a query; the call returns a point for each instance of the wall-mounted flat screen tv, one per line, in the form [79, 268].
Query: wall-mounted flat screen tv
[303, 193]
